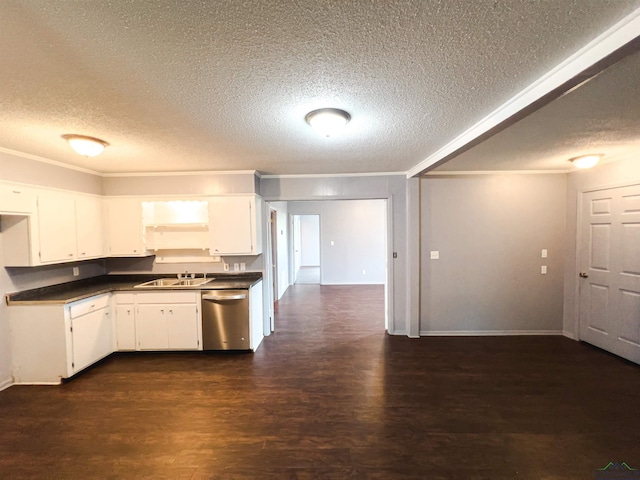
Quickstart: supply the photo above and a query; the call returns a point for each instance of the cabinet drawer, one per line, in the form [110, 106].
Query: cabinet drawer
[82, 307]
[165, 297]
[121, 298]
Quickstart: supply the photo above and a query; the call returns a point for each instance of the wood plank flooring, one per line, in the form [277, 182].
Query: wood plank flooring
[330, 395]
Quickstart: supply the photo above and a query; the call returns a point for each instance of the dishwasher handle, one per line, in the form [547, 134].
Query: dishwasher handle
[214, 296]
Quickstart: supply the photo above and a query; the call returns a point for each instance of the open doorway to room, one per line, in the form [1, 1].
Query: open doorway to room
[306, 241]
[347, 241]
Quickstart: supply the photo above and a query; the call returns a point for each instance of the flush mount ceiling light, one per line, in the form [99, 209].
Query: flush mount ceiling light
[86, 146]
[327, 121]
[586, 161]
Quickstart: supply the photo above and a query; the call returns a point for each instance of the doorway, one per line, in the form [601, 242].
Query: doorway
[306, 241]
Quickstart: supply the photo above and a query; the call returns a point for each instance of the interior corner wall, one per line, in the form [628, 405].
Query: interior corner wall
[489, 231]
[619, 173]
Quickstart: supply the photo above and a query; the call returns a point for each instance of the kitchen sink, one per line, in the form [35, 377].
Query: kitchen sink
[175, 282]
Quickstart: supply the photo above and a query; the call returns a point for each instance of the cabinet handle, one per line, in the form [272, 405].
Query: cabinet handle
[71, 254]
[171, 312]
[16, 191]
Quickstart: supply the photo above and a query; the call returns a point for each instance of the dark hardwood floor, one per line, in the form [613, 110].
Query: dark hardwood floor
[330, 395]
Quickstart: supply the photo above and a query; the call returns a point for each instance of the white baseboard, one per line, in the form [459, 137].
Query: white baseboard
[37, 383]
[398, 333]
[487, 333]
[569, 335]
[6, 383]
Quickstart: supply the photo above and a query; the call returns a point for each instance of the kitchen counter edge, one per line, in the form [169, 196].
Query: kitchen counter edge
[68, 292]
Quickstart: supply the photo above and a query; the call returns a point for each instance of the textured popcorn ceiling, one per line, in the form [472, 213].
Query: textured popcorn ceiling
[225, 85]
[602, 116]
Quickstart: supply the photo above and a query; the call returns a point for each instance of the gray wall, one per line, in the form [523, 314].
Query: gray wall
[623, 172]
[489, 231]
[181, 184]
[357, 229]
[392, 187]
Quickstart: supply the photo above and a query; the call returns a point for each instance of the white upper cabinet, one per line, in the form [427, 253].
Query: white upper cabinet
[124, 227]
[16, 199]
[57, 227]
[69, 227]
[89, 226]
[234, 225]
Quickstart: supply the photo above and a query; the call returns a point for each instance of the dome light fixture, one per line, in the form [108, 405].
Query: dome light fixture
[84, 145]
[586, 161]
[327, 121]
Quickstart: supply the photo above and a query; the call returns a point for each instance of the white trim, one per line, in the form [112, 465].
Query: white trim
[487, 333]
[603, 45]
[6, 383]
[441, 173]
[625, 183]
[569, 335]
[325, 175]
[400, 333]
[37, 158]
[178, 174]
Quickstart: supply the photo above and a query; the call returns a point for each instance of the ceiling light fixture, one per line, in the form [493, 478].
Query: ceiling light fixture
[86, 146]
[586, 161]
[327, 121]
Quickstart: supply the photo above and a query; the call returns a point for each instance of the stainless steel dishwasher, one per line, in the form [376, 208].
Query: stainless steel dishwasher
[225, 320]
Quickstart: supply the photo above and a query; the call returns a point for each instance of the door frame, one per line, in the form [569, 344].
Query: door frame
[389, 260]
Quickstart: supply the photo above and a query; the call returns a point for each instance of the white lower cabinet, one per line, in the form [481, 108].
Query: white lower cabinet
[53, 342]
[168, 321]
[125, 334]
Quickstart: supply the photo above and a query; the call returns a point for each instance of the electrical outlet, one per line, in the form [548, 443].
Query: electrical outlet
[434, 254]
[226, 267]
[543, 270]
[76, 271]
[544, 253]
[236, 267]
[243, 266]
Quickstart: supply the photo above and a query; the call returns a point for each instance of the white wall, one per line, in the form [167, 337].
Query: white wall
[623, 172]
[489, 231]
[309, 241]
[357, 229]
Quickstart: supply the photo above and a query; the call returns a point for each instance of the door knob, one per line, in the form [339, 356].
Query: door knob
[584, 275]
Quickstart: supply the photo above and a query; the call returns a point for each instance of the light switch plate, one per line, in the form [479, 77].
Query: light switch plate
[434, 254]
[543, 270]
[236, 267]
[226, 267]
[544, 253]
[243, 266]
[76, 271]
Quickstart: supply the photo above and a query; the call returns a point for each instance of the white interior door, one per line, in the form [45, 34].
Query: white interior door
[610, 270]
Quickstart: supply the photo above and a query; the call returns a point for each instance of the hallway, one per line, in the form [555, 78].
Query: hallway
[330, 395]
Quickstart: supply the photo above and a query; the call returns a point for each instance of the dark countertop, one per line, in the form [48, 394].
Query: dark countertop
[77, 290]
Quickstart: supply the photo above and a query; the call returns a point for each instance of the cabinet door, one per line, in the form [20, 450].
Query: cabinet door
[89, 219]
[182, 327]
[125, 327]
[124, 227]
[151, 327]
[91, 338]
[57, 227]
[16, 199]
[231, 225]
